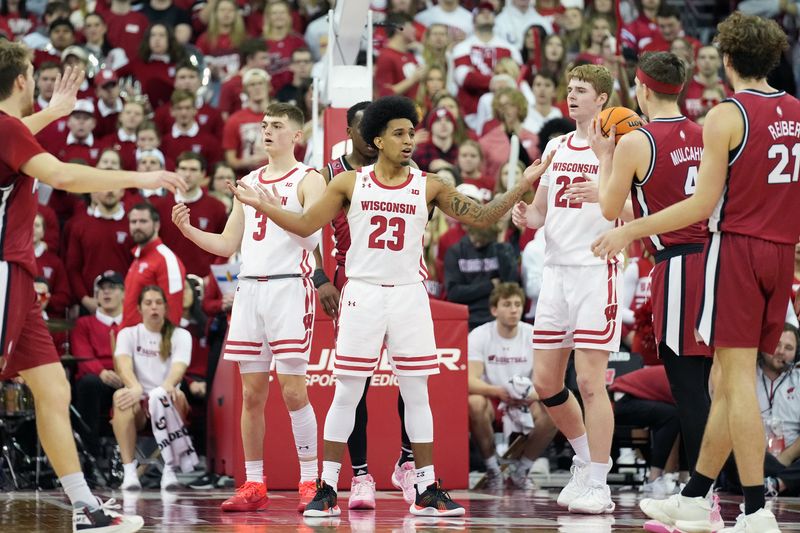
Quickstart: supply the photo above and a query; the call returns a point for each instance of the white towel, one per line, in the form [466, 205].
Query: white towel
[171, 434]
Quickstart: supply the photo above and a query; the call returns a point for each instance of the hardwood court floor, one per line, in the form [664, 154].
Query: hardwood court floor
[198, 512]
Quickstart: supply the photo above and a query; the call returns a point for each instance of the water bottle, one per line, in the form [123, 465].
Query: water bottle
[775, 440]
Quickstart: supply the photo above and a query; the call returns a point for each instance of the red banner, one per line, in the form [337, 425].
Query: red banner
[447, 391]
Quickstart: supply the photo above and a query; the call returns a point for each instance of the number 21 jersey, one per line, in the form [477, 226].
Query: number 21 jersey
[386, 229]
[570, 227]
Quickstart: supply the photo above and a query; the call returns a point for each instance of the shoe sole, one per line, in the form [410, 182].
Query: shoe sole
[322, 514]
[604, 510]
[430, 511]
[363, 505]
[656, 514]
[244, 509]
[687, 526]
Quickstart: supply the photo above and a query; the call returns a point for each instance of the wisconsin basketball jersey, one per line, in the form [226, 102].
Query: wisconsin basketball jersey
[386, 229]
[267, 249]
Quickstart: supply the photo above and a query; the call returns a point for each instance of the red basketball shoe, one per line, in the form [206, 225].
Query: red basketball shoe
[251, 496]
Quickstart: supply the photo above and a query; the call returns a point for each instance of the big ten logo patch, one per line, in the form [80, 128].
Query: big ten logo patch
[320, 367]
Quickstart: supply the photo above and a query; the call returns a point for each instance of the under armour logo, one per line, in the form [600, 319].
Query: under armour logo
[351, 303]
[301, 448]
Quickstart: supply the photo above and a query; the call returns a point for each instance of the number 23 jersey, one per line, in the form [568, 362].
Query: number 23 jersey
[387, 225]
[570, 227]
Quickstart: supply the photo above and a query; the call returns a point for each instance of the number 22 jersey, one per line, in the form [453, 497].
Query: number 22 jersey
[570, 227]
[387, 225]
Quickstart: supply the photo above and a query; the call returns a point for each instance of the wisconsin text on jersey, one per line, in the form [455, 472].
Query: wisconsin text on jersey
[565, 166]
[388, 207]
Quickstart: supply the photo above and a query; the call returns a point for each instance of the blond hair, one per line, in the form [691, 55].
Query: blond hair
[599, 77]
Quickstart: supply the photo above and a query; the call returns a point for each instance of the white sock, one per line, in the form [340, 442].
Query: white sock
[78, 491]
[130, 469]
[492, 463]
[424, 477]
[254, 471]
[524, 464]
[304, 428]
[330, 474]
[598, 473]
[581, 447]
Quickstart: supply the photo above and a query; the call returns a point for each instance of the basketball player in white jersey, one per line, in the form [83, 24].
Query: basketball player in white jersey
[384, 298]
[578, 305]
[273, 309]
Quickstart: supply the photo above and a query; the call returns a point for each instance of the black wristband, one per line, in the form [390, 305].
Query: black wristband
[319, 278]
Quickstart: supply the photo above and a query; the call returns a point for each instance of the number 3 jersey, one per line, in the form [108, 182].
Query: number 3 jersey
[267, 249]
[570, 227]
[761, 197]
[386, 229]
[676, 146]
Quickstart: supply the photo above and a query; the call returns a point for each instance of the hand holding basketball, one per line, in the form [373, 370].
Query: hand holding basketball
[621, 119]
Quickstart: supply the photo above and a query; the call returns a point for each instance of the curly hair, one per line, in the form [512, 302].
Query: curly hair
[753, 44]
[378, 114]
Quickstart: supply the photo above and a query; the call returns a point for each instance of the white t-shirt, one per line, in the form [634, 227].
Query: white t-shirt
[502, 358]
[145, 347]
[785, 394]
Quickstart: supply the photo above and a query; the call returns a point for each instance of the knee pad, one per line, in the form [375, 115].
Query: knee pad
[418, 416]
[556, 399]
[342, 413]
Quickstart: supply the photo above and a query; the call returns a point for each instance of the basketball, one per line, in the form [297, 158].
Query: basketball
[624, 119]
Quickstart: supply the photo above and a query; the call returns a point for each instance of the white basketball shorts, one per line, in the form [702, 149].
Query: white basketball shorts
[578, 308]
[271, 319]
[399, 316]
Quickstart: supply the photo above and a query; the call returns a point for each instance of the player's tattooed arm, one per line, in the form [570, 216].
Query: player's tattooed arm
[470, 212]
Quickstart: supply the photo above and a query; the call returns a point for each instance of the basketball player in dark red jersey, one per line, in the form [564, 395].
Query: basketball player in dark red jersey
[657, 165]
[362, 487]
[25, 345]
[754, 210]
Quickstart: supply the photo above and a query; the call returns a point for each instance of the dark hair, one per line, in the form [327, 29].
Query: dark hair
[290, 111]
[547, 75]
[106, 47]
[55, 7]
[167, 327]
[175, 50]
[22, 9]
[378, 114]
[505, 290]
[753, 44]
[666, 11]
[796, 333]
[558, 126]
[196, 314]
[191, 156]
[251, 47]
[664, 67]
[48, 65]
[14, 61]
[186, 64]
[301, 50]
[353, 111]
[147, 206]
[60, 22]
[395, 23]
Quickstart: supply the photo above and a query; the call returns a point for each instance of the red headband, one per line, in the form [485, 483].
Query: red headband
[657, 86]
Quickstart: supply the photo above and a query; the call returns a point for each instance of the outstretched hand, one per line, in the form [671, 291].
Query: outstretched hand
[537, 168]
[65, 93]
[180, 217]
[258, 197]
[161, 178]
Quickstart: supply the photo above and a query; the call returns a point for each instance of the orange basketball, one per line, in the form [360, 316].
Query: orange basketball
[624, 119]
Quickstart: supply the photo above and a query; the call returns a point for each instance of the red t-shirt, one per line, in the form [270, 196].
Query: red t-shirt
[91, 344]
[230, 95]
[125, 31]
[17, 194]
[223, 54]
[243, 132]
[280, 56]
[202, 143]
[157, 78]
[51, 268]
[393, 67]
[209, 119]
[126, 149]
[694, 106]
[52, 136]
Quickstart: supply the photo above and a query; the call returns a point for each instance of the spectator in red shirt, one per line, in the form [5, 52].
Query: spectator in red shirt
[241, 138]
[126, 28]
[109, 103]
[253, 55]
[442, 125]
[98, 239]
[80, 142]
[155, 64]
[52, 136]
[51, 268]
[15, 15]
[696, 102]
[154, 264]
[670, 28]
[39, 38]
[221, 41]
[641, 31]
[62, 35]
[92, 344]
[206, 213]
[185, 134]
[124, 139]
[595, 30]
[281, 42]
[187, 78]
[76, 57]
[470, 167]
[397, 70]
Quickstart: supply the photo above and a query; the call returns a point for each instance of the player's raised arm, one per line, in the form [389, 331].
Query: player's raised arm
[618, 165]
[320, 213]
[445, 196]
[65, 94]
[222, 244]
[717, 142]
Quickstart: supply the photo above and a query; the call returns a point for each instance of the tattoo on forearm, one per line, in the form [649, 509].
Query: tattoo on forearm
[469, 211]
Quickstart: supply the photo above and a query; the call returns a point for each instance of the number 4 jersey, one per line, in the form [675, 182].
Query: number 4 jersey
[386, 229]
[267, 249]
[571, 227]
[761, 197]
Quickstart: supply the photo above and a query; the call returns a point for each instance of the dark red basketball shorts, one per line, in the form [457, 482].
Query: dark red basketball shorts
[675, 291]
[25, 342]
[747, 287]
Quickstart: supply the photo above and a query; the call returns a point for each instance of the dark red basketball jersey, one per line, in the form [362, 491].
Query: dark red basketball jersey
[676, 146]
[761, 197]
[17, 194]
[341, 231]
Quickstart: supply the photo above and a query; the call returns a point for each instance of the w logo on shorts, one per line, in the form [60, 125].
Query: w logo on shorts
[611, 312]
